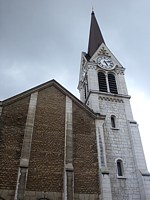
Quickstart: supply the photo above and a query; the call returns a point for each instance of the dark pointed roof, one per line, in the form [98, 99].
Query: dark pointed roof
[95, 37]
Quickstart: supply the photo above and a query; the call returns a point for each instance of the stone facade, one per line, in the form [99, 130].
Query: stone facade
[85, 153]
[121, 142]
[47, 152]
[48, 146]
[12, 125]
[118, 145]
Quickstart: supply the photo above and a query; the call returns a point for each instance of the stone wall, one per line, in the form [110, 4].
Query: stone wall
[12, 127]
[45, 173]
[85, 153]
[47, 150]
[118, 145]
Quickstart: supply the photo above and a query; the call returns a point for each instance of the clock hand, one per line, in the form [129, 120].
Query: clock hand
[105, 62]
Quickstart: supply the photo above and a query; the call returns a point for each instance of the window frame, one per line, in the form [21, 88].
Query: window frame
[113, 121]
[112, 84]
[107, 86]
[121, 165]
[104, 87]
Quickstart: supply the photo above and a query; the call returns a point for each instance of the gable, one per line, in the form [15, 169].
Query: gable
[43, 87]
[103, 50]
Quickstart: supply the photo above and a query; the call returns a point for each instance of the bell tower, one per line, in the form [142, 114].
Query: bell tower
[102, 87]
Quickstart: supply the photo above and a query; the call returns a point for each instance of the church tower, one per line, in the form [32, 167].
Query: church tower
[102, 87]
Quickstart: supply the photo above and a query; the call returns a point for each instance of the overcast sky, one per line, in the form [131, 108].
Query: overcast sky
[42, 40]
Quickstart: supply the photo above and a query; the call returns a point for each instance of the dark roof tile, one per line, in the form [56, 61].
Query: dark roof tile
[95, 37]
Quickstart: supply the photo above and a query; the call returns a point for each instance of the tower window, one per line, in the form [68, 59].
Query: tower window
[85, 91]
[102, 82]
[113, 121]
[112, 84]
[119, 167]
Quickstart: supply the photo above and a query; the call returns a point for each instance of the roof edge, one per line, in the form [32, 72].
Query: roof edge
[52, 82]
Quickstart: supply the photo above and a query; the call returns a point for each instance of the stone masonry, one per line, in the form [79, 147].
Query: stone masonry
[53, 154]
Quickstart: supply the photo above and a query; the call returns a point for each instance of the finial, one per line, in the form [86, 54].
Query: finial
[92, 10]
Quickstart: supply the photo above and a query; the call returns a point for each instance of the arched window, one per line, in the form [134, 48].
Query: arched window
[113, 121]
[119, 167]
[102, 82]
[112, 84]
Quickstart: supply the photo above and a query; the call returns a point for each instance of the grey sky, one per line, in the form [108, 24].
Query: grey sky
[43, 39]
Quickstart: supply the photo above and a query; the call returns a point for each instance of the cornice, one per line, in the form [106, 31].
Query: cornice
[109, 96]
[112, 99]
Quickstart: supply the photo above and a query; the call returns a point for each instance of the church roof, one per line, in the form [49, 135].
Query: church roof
[95, 37]
[49, 84]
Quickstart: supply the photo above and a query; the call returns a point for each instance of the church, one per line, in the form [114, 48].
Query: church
[54, 146]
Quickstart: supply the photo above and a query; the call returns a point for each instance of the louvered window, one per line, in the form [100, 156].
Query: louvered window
[102, 82]
[112, 84]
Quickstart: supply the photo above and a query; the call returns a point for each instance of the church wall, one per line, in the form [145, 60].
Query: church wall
[118, 145]
[86, 178]
[12, 125]
[47, 150]
[121, 83]
[45, 175]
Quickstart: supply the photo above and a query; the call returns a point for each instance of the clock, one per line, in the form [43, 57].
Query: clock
[105, 62]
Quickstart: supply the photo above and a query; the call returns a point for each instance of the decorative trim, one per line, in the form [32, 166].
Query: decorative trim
[119, 70]
[91, 67]
[68, 158]
[111, 99]
[103, 51]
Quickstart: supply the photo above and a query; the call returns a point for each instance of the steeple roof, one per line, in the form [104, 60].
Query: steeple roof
[95, 37]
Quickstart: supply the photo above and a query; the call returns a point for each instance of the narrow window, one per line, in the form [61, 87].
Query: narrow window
[102, 82]
[119, 167]
[112, 84]
[113, 121]
[85, 91]
[85, 86]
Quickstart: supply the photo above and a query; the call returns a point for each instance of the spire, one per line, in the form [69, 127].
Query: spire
[95, 37]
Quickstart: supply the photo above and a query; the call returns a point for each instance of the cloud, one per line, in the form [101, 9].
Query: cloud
[42, 40]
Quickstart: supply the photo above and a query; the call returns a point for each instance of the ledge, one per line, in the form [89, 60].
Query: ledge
[69, 167]
[132, 122]
[121, 177]
[115, 128]
[104, 171]
[144, 173]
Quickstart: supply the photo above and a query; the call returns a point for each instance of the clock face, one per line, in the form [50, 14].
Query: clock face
[105, 62]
